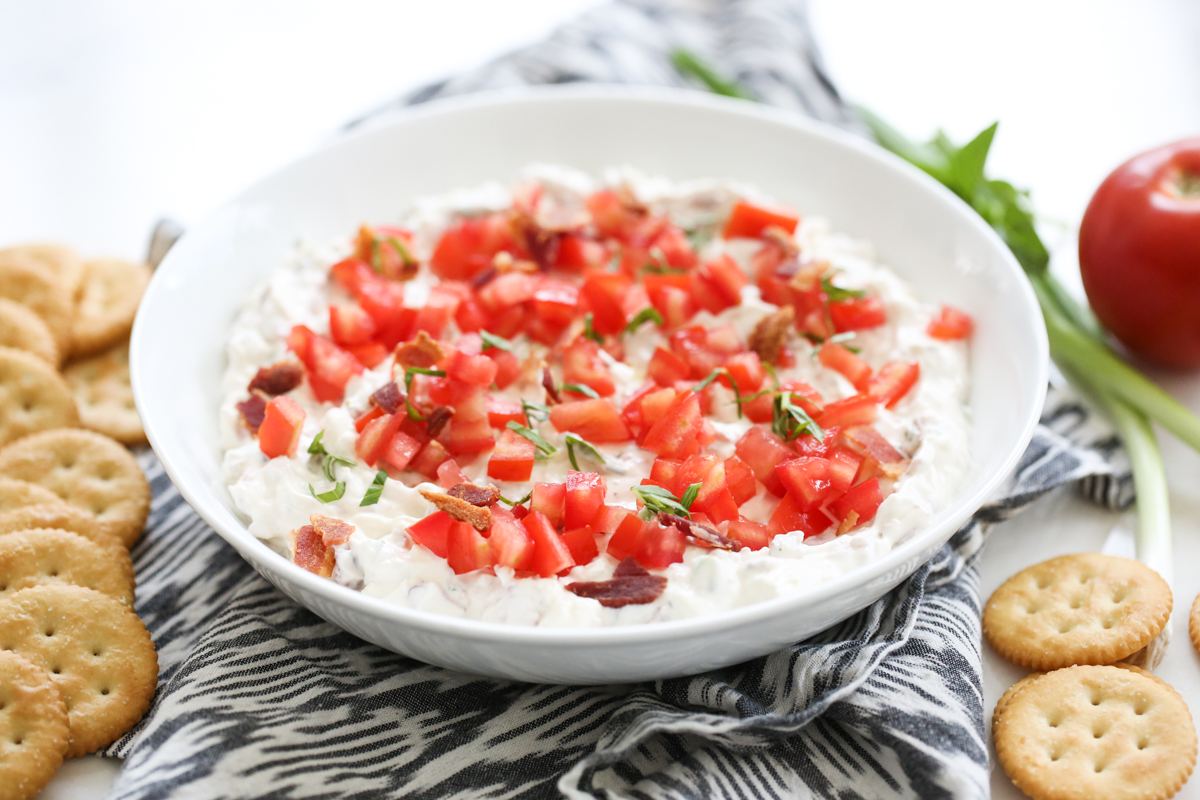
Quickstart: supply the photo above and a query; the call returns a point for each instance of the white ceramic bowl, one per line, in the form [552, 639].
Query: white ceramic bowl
[934, 241]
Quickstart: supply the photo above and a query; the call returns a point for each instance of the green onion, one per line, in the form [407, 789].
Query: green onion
[375, 489]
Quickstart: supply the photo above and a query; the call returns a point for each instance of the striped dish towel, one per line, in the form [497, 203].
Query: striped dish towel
[259, 698]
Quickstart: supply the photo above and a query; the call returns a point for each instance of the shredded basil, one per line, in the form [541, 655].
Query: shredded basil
[410, 372]
[329, 463]
[545, 449]
[589, 332]
[837, 293]
[712, 376]
[401, 250]
[491, 340]
[588, 448]
[504, 499]
[657, 500]
[375, 489]
[580, 388]
[790, 420]
[333, 494]
[647, 314]
[689, 496]
[535, 411]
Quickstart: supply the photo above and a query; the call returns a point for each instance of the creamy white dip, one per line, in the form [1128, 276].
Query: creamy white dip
[929, 424]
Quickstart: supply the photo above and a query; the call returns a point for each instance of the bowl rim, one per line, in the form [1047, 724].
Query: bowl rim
[280, 571]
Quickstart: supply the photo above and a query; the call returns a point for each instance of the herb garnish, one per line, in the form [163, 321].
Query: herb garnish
[544, 448]
[837, 293]
[712, 376]
[647, 314]
[491, 340]
[657, 500]
[329, 463]
[588, 448]
[402, 251]
[535, 411]
[409, 374]
[580, 388]
[790, 420]
[589, 332]
[375, 489]
[837, 338]
[504, 499]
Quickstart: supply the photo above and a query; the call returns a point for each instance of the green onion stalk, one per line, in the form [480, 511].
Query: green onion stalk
[1078, 345]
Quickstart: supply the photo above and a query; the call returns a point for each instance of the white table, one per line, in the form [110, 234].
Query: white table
[112, 115]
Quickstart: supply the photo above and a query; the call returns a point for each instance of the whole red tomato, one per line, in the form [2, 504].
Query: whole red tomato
[1139, 253]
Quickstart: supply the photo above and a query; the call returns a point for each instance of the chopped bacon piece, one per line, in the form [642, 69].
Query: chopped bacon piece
[849, 523]
[277, 379]
[771, 333]
[310, 552]
[333, 530]
[478, 518]
[631, 585]
[475, 495]
[389, 397]
[253, 410]
[437, 420]
[423, 351]
[701, 533]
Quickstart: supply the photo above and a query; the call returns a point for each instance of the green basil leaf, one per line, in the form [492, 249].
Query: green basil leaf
[331, 463]
[535, 411]
[333, 494]
[712, 376]
[375, 489]
[690, 495]
[544, 447]
[658, 500]
[580, 388]
[574, 441]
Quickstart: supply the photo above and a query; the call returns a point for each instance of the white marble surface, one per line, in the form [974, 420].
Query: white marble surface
[114, 114]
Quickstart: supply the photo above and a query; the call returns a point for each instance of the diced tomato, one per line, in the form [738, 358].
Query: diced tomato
[749, 534]
[674, 246]
[373, 442]
[672, 434]
[400, 451]
[843, 466]
[350, 325]
[857, 313]
[665, 473]
[807, 480]
[429, 459]
[551, 554]
[635, 416]
[747, 370]
[548, 499]
[761, 451]
[627, 537]
[749, 221]
[839, 359]
[789, 516]
[760, 409]
[467, 248]
[893, 381]
[555, 301]
[328, 366]
[468, 431]
[666, 368]
[706, 470]
[508, 366]
[661, 546]
[510, 543]
[604, 292]
[691, 344]
[578, 253]
[740, 480]
[582, 544]
[374, 412]
[722, 507]
[433, 532]
[870, 442]
[466, 549]
[612, 216]
[476, 370]
[449, 474]
[509, 289]
[951, 324]
[369, 355]
[352, 273]
[864, 499]
[582, 364]
[584, 496]
[384, 302]
[726, 278]
[279, 433]
[860, 409]
[512, 460]
[501, 412]
[594, 420]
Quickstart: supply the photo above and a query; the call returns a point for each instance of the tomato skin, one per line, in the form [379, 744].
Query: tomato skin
[1139, 254]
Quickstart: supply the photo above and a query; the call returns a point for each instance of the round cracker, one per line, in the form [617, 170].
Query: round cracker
[33, 396]
[33, 728]
[1011, 692]
[96, 650]
[21, 329]
[45, 556]
[86, 470]
[108, 302]
[1077, 609]
[28, 282]
[104, 396]
[1194, 624]
[1096, 731]
[57, 515]
[15, 495]
[61, 261]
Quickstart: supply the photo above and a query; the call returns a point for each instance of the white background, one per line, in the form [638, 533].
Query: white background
[114, 114]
